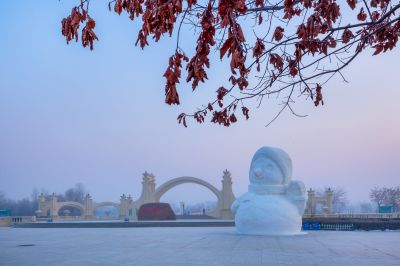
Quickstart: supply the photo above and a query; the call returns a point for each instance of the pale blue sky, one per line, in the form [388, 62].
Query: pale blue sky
[70, 115]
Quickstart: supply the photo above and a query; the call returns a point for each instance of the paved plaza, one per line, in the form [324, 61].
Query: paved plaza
[194, 246]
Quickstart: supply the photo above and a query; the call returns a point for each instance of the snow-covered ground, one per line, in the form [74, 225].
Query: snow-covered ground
[194, 246]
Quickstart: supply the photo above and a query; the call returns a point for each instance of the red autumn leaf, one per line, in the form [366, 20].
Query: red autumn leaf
[293, 70]
[302, 32]
[259, 3]
[278, 34]
[232, 118]
[347, 35]
[318, 96]
[172, 75]
[375, 15]
[88, 35]
[352, 3]
[221, 92]
[245, 112]
[374, 3]
[362, 16]
[307, 3]
[276, 61]
[259, 48]
[227, 45]
[91, 23]
[198, 63]
[378, 49]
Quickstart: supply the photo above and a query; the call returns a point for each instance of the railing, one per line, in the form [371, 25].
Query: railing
[328, 226]
[355, 215]
[61, 218]
[337, 227]
[23, 219]
[79, 218]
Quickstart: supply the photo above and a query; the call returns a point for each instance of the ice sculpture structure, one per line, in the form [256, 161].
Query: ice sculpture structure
[274, 204]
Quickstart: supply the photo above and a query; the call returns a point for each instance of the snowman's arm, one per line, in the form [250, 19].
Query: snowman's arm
[236, 204]
[296, 194]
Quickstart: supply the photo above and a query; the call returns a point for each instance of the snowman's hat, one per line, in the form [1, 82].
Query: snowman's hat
[278, 156]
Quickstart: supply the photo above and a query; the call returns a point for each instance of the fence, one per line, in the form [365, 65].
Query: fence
[23, 219]
[324, 226]
[356, 215]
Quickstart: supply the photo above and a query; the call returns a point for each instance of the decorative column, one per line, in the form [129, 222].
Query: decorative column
[311, 203]
[148, 189]
[123, 207]
[329, 200]
[131, 208]
[42, 206]
[227, 196]
[88, 204]
[53, 207]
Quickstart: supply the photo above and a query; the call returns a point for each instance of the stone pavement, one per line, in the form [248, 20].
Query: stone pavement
[194, 246]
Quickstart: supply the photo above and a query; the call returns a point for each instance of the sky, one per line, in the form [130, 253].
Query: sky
[69, 115]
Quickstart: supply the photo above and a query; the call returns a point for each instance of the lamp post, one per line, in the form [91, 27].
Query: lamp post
[183, 208]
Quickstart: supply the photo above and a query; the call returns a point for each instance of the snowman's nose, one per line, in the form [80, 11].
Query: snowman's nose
[257, 172]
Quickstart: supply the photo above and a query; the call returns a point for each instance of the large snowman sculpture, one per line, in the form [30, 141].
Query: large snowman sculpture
[274, 203]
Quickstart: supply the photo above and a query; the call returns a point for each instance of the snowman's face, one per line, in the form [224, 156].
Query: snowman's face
[265, 171]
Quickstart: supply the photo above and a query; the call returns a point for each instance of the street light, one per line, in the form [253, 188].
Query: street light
[183, 208]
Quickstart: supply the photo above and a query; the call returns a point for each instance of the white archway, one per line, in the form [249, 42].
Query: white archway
[224, 196]
[117, 206]
[164, 188]
[106, 203]
[161, 190]
[73, 204]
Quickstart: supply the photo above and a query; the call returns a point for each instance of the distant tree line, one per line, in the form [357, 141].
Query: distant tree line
[27, 206]
[379, 195]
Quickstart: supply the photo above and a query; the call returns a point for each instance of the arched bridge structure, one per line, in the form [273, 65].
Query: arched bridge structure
[72, 204]
[127, 207]
[161, 190]
[117, 206]
[87, 209]
[224, 196]
[105, 204]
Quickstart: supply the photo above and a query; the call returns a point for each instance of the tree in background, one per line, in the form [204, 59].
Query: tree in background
[386, 196]
[25, 206]
[76, 193]
[291, 47]
[393, 197]
[340, 201]
[377, 195]
[2, 200]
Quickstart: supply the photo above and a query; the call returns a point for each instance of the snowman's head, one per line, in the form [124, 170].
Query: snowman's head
[270, 166]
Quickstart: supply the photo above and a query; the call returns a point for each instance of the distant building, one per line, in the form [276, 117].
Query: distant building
[4, 213]
[386, 209]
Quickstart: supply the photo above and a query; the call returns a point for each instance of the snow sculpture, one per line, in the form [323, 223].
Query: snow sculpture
[274, 204]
